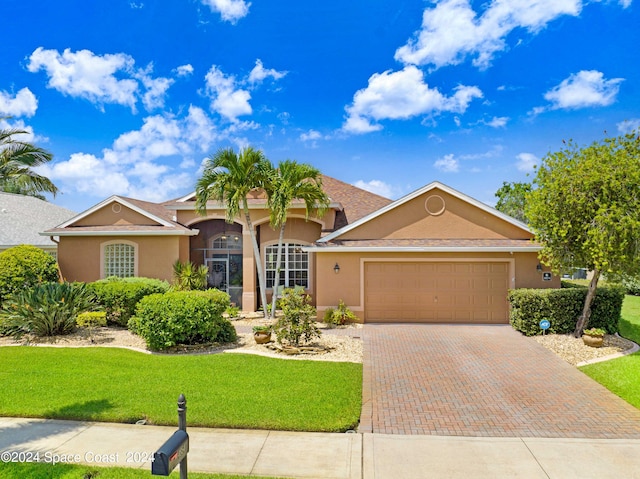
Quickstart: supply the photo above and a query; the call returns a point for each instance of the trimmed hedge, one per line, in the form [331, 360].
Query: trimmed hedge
[23, 267]
[183, 317]
[119, 296]
[563, 307]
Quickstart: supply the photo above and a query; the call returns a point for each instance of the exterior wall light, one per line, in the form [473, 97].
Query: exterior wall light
[336, 268]
[539, 267]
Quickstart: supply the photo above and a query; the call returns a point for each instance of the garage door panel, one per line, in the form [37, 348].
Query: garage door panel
[437, 292]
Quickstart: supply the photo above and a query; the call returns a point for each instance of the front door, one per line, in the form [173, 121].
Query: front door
[219, 273]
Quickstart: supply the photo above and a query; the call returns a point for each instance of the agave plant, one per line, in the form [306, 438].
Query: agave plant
[47, 309]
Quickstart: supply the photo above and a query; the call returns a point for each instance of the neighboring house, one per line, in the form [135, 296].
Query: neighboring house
[433, 255]
[23, 217]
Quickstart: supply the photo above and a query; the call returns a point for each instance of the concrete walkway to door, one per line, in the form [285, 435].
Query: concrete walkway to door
[473, 380]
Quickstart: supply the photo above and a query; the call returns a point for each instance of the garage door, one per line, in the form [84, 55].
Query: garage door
[436, 292]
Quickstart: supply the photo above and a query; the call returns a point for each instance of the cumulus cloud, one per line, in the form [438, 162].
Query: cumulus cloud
[376, 186]
[133, 165]
[587, 88]
[628, 126]
[497, 122]
[447, 164]
[23, 103]
[259, 73]
[526, 162]
[184, 70]
[402, 95]
[230, 10]
[227, 98]
[451, 30]
[100, 79]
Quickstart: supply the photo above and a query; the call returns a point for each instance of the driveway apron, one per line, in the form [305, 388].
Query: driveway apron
[470, 380]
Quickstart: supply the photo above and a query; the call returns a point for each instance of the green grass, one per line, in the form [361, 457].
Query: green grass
[621, 375]
[222, 390]
[69, 471]
[630, 321]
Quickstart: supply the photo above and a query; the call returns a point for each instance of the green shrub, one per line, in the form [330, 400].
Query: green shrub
[119, 296]
[23, 267]
[92, 319]
[296, 325]
[563, 307]
[47, 309]
[340, 315]
[183, 317]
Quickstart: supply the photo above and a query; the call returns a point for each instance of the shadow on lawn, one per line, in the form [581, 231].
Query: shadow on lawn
[81, 411]
[629, 330]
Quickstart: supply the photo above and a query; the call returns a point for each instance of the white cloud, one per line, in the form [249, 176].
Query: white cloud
[156, 89]
[376, 186]
[184, 70]
[226, 99]
[28, 136]
[230, 10]
[86, 75]
[526, 162]
[498, 122]
[133, 165]
[447, 164]
[402, 95]
[259, 73]
[452, 31]
[310, 135]
[100, 79]
[628, 126]
[587, 88]
[24, 103]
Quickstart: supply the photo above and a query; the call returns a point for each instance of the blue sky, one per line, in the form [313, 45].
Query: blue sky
[132, 96]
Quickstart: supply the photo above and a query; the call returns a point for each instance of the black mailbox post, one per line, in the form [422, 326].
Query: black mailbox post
[174, 450]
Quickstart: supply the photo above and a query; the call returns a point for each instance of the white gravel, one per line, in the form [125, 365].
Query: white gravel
[575, 352]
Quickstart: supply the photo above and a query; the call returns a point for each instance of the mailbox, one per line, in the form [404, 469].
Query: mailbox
[170, 454]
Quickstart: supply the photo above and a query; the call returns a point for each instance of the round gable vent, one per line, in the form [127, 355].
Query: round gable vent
[434, 205]
[116, 208]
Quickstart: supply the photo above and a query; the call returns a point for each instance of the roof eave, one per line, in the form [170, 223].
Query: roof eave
[121, 233]
[422, 249]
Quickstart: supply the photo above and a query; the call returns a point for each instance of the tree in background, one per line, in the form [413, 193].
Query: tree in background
[17, 160]
[292, 181]
[228, 178]
[585, 210]
[512, 199]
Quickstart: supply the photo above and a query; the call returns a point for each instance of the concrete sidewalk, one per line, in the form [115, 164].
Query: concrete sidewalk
[325, 456]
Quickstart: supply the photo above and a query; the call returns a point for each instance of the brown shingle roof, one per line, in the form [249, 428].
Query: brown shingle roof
[356, 202]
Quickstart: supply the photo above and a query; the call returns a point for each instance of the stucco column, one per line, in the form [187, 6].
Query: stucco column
[249, 300]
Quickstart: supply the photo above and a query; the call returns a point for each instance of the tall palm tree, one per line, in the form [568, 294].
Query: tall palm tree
[228, 178]
[17, 158]
[289, 182]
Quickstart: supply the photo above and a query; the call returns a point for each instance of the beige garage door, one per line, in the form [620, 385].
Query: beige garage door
[474, 292]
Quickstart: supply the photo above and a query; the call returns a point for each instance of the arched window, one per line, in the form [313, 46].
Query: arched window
[119, 259]
[294, 268]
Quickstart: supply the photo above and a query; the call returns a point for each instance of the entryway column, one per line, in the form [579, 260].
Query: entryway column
[249, 300]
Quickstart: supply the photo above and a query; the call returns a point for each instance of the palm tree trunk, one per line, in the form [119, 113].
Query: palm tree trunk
[586, 311]
[276, 282]
[258, 258]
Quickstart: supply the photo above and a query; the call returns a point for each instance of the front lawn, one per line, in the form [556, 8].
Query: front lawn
[621, 375]
[222, 390]
[68, 471]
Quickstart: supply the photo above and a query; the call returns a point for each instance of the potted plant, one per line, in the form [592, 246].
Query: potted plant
[262, 334]
[593, 337]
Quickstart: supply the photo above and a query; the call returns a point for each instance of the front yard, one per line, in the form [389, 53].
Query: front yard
[222, 390]
[621, 375]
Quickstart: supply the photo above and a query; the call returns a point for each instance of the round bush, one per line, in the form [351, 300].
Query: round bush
[23, 267]
[183, 317]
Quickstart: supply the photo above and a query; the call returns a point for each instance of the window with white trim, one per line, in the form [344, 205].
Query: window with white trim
[294, 268]
[119, 259]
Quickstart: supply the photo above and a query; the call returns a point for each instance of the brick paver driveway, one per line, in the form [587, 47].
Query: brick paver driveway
[459, 380]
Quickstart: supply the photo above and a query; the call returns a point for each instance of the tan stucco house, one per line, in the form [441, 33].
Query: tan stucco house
[435, 255]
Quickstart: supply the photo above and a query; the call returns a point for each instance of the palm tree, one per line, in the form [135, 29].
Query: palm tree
[292, 181]
[228, 178]
[17, 158]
